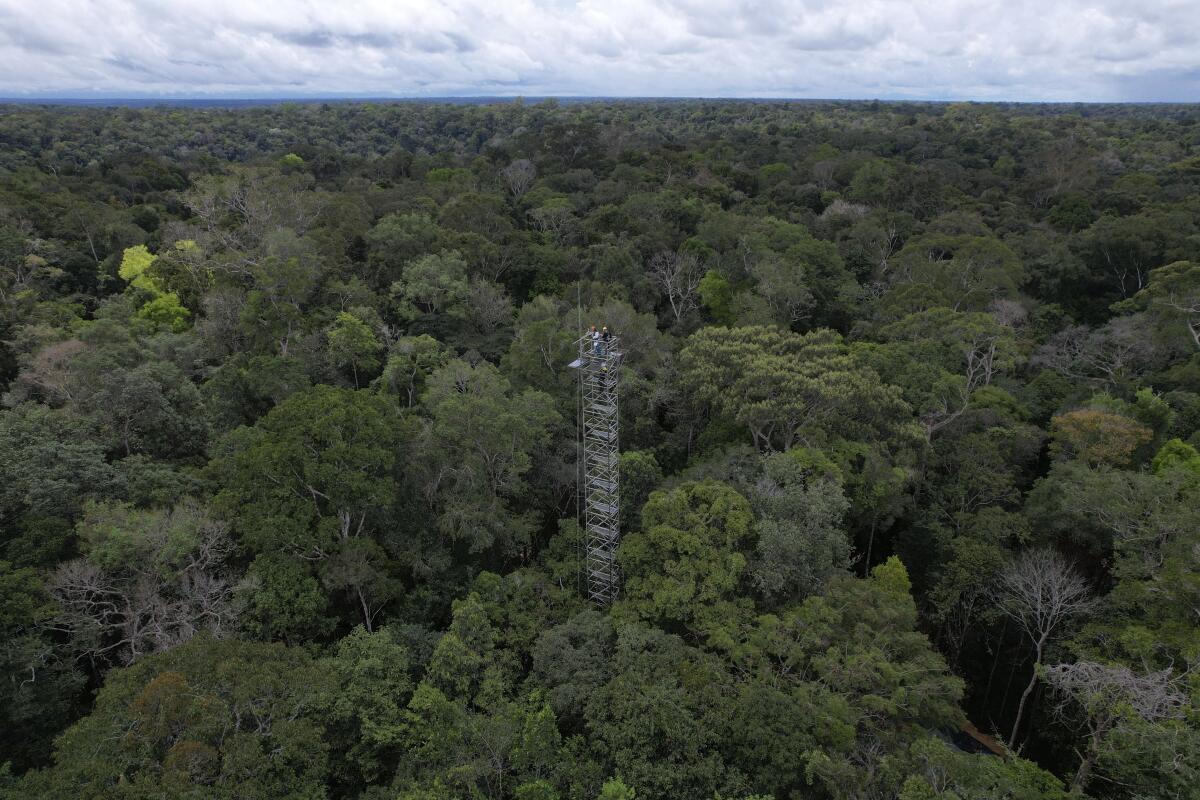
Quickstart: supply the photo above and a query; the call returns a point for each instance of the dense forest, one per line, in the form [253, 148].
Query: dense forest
[910, 421]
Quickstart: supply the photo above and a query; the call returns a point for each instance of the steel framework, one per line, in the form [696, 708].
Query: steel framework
[599, 367]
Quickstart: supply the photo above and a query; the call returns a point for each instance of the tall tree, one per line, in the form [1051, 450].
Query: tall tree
[315, 479]
[1039, 592]
[219, 718]
[788, 389]
[683, 569]
[148, 581]
[799, 505]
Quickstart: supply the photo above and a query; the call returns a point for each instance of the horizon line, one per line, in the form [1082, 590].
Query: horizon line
[52, 99]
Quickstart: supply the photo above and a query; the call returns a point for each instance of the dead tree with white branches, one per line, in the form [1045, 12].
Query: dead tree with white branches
[519, 176]
[168, 584]
[1112, 698]
[1108, 356]
[1039, 592]
[678, 275]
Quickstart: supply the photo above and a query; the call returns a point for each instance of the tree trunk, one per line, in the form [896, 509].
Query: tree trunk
[365, 609]
[1084, 773]
[1037, 662]
[870, 546]
[987, 692]
[1012, 671]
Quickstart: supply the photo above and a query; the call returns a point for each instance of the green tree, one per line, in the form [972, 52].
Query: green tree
[38, 682]
[789, 389]
[640, 475]
[1177, 455]
[352, 343]
[963, 271]
[541, 349]
[1122, 251]
[468, 727]
[49, 467]
[366, 711]
[716, 295]
[615, 789]
[781, 286]
[571, 660]
[683, 570]
[410, 362]
[853, 666]
[799, 505]
[222, 718]
[315, 479]
[396, 240]
[940, 358]
[281, 600]
[1173, 297]
[274, 313]
[151, 408]
[1098, 437]
[475, 451]
[658, 721]
[163, 308]
[939, 772]
[431, 283]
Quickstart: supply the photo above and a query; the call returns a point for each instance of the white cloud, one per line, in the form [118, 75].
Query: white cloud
[1020, 49]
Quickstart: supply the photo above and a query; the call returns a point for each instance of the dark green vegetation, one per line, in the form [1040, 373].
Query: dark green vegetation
[911, 414]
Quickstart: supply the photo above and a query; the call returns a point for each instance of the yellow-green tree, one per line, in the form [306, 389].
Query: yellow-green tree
[162, 308]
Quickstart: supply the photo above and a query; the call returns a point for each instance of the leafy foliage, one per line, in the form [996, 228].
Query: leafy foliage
[288, 461]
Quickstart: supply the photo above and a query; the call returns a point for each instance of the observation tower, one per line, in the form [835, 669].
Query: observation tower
[599, 367]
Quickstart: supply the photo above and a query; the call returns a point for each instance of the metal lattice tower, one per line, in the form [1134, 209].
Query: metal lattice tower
[599, 364]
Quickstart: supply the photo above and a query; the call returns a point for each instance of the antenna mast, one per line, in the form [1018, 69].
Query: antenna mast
[599, 367]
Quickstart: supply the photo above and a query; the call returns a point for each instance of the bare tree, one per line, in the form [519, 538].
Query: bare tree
[488, 307]
[146, 592]
[47, 373]
[519, 176]
[846, 209]
[822, 173]
[1190, 309]
[879, 236]
[1110, 355]
[555, 219]
[1111, 697]
[678, 274]
[238, 215]
[220, 326]
[1039, 592]
[1009, 313]
[493, 263]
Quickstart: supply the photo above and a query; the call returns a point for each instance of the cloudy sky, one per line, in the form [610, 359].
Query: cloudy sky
[945, 49]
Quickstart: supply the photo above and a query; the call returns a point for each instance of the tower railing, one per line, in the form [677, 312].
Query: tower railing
[599, 372]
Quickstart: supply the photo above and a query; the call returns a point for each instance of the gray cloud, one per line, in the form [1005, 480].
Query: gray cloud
[1020, 49]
